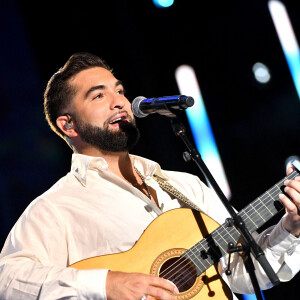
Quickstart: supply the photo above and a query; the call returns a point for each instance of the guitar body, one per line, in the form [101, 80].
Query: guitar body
[159, 249]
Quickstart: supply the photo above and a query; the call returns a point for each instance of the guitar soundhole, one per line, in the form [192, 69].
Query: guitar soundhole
[181, 271]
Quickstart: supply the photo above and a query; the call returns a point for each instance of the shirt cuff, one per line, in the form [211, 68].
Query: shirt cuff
[91, 284]
[284, 248]
[281, 241]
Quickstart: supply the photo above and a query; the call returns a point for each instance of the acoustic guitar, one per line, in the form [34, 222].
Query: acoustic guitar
[184, 246]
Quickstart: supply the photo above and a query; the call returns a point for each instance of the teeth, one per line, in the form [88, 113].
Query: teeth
[117, 120]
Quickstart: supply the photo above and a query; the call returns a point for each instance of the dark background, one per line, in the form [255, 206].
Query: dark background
[256, 126]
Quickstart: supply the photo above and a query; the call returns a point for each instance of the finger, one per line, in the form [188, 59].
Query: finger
[288, 204]
[159, 293]
[292, 189]
[295, 184]
[291, 206]
[289, 170]
[165, 284]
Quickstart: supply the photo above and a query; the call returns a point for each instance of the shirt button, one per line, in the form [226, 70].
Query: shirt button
[148, 208]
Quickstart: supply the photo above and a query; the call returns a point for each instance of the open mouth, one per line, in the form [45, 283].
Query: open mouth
[118, 120]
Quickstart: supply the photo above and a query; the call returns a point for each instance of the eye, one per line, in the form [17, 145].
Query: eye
[98, 96]
[121, 91]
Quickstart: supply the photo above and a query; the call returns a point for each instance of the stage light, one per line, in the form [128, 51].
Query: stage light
[163, 3]
[261, 72]
[287, 39]
[200, 126]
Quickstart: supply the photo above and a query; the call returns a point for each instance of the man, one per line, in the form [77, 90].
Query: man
[108, 199]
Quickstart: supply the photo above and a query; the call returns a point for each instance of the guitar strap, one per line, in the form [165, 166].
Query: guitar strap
[169, 188]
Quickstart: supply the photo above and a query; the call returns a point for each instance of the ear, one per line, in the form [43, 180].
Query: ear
[66, 126]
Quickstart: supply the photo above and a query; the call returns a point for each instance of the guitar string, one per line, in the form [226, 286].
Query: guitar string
[272, 196]
[259, 204]
[264, 213]
[260, 200]
[269, 197]
[196, 256]
[248, 212]
[220, 235]
[187, 272]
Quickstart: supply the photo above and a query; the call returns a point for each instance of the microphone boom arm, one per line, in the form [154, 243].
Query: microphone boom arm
[257, 252]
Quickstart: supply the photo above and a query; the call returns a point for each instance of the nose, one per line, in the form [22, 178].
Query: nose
[118, 101]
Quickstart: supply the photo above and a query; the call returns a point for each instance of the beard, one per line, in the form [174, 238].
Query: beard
[108, 140]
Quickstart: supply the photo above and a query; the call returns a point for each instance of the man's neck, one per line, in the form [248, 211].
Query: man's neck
[118, 162]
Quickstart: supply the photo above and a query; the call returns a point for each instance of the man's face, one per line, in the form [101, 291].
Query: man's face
[102, 114]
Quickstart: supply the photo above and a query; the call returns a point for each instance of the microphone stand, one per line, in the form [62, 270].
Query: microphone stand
[236, 220]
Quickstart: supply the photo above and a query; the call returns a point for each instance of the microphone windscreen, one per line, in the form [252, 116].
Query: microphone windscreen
[135, 107]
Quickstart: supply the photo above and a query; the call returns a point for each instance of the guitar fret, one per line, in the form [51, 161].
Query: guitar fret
[278, 187]
[272, 199]
[234, 232]
[191, 253]
[198, 260]
[224, 241]
[257, 213]
[250, 219]
[232, 236]
[266, 207]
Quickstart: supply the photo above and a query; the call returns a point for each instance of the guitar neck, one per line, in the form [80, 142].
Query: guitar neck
[209, 250]
[265, 206]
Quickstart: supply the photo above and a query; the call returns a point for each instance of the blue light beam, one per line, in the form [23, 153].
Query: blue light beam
[287, 39]
[200, 126]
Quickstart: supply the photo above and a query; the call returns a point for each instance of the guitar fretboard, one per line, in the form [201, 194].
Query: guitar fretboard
[209, 250]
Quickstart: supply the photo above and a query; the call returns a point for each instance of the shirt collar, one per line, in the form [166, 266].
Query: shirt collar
[82, 163]
[146, 166]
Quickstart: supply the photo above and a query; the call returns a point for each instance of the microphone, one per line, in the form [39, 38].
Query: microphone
[166, 106]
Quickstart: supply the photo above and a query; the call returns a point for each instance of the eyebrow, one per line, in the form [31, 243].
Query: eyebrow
[101, 87]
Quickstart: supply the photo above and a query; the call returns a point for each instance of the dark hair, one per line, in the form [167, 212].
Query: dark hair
[59, 91]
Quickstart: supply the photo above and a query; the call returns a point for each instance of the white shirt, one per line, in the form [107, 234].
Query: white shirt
[92, 212]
